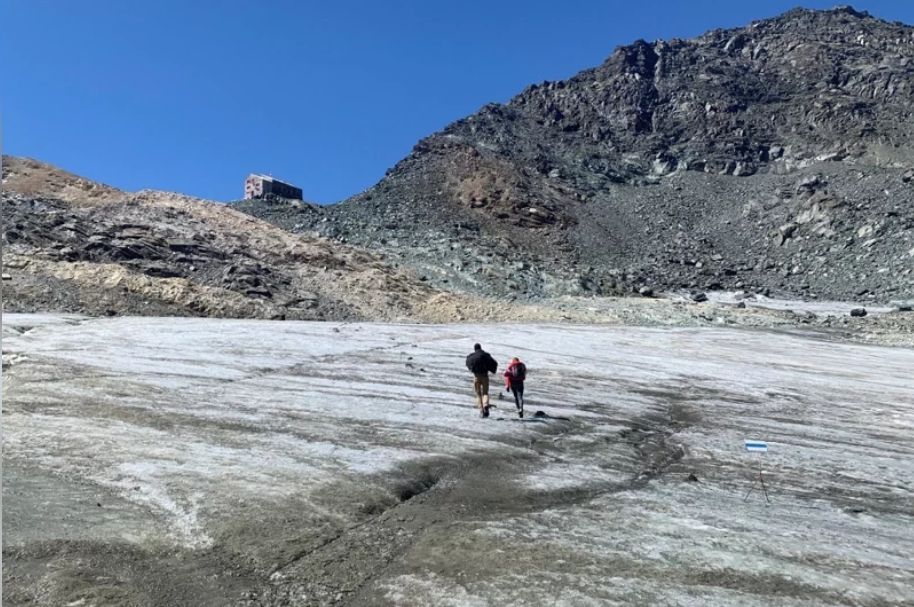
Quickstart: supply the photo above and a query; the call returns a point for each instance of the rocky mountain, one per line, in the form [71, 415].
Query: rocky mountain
[72, 245]
[778, 157]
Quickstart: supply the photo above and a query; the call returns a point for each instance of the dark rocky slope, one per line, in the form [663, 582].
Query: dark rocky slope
[772, 157]
[72, 245]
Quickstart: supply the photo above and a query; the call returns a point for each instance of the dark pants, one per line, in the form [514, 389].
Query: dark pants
[517, 388]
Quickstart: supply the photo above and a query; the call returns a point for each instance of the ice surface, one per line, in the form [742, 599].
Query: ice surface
[196, 420]
[819, 308]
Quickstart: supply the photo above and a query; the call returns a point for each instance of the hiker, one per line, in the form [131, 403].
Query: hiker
[480, 363]
[515, 375]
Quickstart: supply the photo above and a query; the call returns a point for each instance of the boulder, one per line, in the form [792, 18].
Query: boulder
[785, 232]
[808, 183]
[182, 245]
[902, 305]
[159, 271]
[864, 231]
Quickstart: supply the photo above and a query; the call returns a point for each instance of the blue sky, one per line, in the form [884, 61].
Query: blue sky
[192, 95]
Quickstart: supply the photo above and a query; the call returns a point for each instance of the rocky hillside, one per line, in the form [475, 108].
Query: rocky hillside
[71, 245]
[778, 157]
[32, 178]
[162, 254]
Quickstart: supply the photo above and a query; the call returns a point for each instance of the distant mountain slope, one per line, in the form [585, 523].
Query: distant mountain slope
[775, 156]
[35, 178]
[71, 245]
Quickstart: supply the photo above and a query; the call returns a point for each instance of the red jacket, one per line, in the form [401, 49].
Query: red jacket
[516, 371]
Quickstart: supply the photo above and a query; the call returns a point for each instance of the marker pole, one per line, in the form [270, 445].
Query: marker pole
[760, 480]
[751, 489]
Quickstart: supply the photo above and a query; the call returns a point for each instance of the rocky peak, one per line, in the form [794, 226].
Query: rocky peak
[806, 83]
[670, 152]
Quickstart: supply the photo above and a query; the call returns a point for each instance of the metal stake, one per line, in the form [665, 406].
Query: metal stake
[760, 480]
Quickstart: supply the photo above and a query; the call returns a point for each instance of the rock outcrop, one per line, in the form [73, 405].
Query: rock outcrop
[156, 253]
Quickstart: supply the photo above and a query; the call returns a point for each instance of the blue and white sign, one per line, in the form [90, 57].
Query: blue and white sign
[756, 445]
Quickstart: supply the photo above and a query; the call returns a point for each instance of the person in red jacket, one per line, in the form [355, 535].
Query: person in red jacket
[515, 375]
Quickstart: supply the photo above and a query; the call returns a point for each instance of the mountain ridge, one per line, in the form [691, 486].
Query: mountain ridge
[783, 120]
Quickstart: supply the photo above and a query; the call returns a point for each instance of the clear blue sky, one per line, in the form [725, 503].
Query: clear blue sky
[192, 95]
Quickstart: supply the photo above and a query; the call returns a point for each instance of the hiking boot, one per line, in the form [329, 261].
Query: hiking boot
[485, 411]
[520, 413]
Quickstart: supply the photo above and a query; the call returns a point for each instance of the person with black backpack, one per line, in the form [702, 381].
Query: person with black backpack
[515, 375]
[480, 364]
